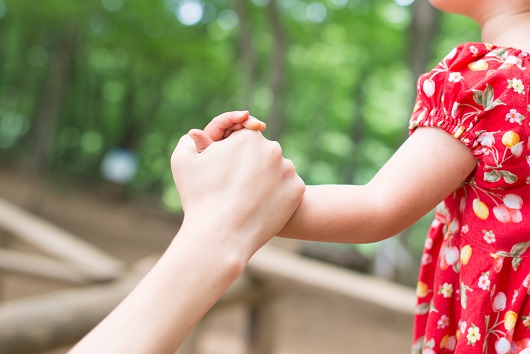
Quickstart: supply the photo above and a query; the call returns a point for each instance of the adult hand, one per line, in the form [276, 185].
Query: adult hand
[242, 185]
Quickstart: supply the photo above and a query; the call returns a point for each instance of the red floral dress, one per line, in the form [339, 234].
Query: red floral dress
[473, 288]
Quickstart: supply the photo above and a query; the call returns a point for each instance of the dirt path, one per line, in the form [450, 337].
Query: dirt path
[308, 321]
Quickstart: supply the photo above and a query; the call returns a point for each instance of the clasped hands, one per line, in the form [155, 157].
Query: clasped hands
[240, 190]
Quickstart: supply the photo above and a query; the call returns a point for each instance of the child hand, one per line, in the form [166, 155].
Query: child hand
[222, 126]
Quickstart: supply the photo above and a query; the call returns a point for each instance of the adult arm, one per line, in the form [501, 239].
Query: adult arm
[232, 207]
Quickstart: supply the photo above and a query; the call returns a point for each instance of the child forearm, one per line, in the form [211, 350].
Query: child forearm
[403, 191]
[339, 213]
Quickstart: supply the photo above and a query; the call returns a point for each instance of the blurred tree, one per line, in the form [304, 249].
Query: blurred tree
[334, 80]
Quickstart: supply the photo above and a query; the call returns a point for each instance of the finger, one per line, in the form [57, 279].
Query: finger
[254, 124]
[232, 129]
[201, 139]
[216, 128]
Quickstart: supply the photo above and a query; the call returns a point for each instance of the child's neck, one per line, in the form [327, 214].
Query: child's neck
[509, 30]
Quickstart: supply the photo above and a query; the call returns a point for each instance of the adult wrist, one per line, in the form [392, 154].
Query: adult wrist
[217, 242]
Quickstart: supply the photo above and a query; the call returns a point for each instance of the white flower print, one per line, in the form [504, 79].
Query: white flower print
[484, 281]
[428, 243]
[486, 139]
[489, 236]
[446, 290]
[515, 117]
[462, 326]
[455, 77]
[499, 302]
[451, 54]
[454, 110]
[426, 258]
[517, 149]
[502, 346]
[528, 160]
[465, 229]
[429, 87]
[515, 293]
[512, 60]
[473, 50]
[517, 85]
[526, 281]
[443, 321]
[473, 334]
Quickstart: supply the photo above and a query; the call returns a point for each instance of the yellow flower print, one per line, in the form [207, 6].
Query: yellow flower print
[478, 65]
[446, 290]
[517, 85]
[510, 139]
[422, 289]
[465, 254]
[481, 210]
[473, 334]
[509, 320]
[448, 342]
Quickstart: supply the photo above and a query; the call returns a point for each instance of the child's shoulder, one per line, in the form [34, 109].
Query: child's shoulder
[473, 66]
[484, 59]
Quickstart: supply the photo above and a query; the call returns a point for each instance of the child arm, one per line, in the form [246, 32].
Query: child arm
[425, 170]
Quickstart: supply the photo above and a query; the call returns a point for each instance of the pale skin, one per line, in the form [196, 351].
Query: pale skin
[222, 228]
[425, 170]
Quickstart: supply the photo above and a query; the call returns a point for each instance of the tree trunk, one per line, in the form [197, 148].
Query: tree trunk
[51, 100]
[357, 134]
[423, 29]
[277, 72]
[247, 54]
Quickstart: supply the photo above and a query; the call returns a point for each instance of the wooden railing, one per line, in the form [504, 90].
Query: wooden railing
[56, 319]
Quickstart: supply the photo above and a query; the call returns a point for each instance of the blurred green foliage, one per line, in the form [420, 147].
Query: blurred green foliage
[330, 78]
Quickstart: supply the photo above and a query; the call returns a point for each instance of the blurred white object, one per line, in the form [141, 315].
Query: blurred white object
[119, 165]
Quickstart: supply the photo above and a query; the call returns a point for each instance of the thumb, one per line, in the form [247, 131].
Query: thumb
[185, 146]
[201, 139]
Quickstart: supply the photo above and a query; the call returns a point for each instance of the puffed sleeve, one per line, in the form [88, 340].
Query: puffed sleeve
[479, 94]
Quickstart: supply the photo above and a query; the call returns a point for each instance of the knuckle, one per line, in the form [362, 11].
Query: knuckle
[300, 186]
[276, 148]
[289, 167]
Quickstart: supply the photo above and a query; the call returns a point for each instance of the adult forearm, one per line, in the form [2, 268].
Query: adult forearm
[159, 313]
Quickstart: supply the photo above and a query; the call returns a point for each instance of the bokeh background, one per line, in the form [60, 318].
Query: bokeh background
[95, 94]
